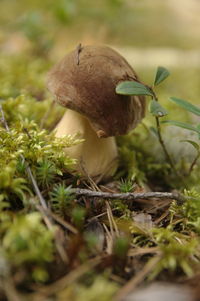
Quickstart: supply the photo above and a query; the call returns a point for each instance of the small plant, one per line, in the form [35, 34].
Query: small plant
[61, 198]
[138, 88]
[155, 108]
[126, 186]
[46, 173]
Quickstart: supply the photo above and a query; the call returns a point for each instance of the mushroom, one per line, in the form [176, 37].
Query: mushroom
[84, 81]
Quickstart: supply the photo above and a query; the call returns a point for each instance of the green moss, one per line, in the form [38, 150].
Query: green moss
[22, 74]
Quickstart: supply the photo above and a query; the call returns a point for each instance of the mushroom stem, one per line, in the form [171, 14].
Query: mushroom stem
[96, 156]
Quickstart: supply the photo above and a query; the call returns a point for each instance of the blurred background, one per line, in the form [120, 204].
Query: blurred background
[35, 34]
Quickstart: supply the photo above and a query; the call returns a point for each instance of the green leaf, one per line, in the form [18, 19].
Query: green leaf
[193, 143]
[156, 109]
[132, 88]
[186, 105]
[161, 74]
[182, 125]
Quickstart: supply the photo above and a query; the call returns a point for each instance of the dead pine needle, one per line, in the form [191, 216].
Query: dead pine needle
[113, 225]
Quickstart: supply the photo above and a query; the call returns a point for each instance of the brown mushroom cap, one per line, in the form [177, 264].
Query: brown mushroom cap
[87, 85]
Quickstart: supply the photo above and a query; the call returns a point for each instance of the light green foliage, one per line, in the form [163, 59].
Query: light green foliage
[10, 183]
[26, 108]
[177, 250]
[189, 212]
[22, 74]
[43, 152]
[100, 290]
[178, 242]
[27, 240]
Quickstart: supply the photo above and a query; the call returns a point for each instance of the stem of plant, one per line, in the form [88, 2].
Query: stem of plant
[162, 143]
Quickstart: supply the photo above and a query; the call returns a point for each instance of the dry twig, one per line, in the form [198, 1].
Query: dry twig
[128, 196]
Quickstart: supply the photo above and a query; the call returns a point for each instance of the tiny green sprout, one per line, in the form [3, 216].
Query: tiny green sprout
[46, 173]
[61, 198]
[126, 186]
